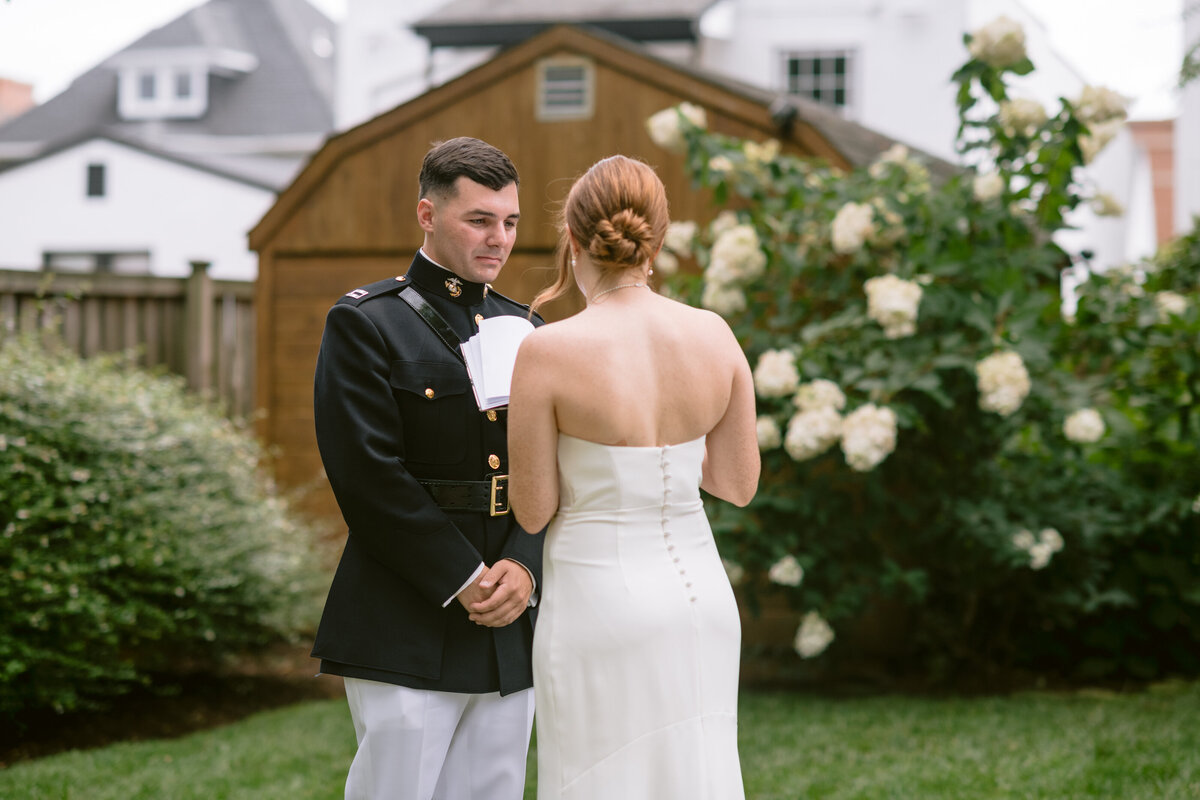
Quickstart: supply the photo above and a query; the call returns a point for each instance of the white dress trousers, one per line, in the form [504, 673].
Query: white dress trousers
[418, 744]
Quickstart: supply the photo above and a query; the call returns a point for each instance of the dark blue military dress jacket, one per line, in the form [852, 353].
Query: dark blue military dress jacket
[394, 408]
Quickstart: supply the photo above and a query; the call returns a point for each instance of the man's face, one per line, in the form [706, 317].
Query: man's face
[471, 233]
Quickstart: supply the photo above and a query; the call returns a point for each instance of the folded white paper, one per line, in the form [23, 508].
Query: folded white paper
[490, 355]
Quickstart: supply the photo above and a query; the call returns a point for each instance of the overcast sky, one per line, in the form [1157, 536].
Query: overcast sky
[1133, 46]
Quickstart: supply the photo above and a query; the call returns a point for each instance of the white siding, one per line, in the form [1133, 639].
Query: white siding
[175, 212]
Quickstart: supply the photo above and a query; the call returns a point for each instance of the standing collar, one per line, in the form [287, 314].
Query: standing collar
[435, 279]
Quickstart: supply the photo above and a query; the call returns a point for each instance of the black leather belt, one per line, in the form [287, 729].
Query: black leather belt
[490, 496]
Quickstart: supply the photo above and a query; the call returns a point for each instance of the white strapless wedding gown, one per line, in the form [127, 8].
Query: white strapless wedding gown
[635, 654]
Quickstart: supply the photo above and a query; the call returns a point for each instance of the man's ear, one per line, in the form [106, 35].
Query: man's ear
[425, 212]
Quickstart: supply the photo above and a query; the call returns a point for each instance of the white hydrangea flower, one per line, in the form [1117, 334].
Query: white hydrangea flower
[853, 226]
[776, 374]
[1023, 540]
[720, 164]
[1100, 104]
[1169, 303]
[813, 635]
[812, 432]
[786, 571]
[819, 393]
[1051, 538]
[999, 44]
[896, 154]
[724, 221]
[734, 571]
[723, 298]
[1022, 116]
[666, 130]
[666, 262]
[1003, 382]
[1084, 426]
[763, 153]
[1105, 205]
[1196, 505]
[1097, 138]
[988, 186]
[737, 253]
[1039, 555]
[769, 435]
[679, 237]
[893, 302]
[868, 436]
[1040, 548]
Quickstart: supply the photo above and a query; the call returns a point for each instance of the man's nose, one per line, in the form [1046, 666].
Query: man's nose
[497, 234]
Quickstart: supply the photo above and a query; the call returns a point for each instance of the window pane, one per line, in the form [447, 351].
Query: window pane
[146, 88]
[183, 85]
[95, 180]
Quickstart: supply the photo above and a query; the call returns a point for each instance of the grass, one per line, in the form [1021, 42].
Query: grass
[793, 746]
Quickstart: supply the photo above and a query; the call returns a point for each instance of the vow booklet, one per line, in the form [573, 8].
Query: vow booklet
[490, 355]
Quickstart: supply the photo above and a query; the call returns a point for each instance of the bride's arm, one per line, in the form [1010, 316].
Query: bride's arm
[533, 436]
[731, 460]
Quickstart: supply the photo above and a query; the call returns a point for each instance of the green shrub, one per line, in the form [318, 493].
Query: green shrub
[918, 386]
[138, 533]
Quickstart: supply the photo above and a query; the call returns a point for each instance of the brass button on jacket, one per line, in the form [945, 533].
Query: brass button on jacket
[492, 415]
[494, 461]
[429, 393]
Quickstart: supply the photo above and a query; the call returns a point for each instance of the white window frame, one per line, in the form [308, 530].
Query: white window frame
[165, 104]
[586, 87]
[829, 82]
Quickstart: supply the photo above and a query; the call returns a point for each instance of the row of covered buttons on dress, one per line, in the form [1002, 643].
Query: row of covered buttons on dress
[665, 463]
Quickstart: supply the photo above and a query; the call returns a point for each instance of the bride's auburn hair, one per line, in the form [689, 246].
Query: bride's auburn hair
[617, 212]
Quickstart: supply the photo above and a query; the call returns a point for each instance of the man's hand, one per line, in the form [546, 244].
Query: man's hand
[475, 592]
[505, 587]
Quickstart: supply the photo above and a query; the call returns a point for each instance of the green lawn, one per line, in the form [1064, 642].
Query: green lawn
[1037, 745]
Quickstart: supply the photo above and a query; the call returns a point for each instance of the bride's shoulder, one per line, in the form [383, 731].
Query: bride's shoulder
[550, 338]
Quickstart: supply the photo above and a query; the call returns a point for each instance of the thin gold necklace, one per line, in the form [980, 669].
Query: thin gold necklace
[637, 285]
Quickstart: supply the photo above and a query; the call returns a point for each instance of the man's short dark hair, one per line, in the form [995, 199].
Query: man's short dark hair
[464, 157]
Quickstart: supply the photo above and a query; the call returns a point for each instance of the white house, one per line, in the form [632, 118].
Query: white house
[171, 149]
[886, 65]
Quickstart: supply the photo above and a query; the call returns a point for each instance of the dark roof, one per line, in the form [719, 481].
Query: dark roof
[290, 91]
[485, 23]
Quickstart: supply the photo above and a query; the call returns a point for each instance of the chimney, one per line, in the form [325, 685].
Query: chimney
[15, 98]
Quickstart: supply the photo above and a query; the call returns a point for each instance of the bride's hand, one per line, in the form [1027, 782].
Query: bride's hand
[511, 586]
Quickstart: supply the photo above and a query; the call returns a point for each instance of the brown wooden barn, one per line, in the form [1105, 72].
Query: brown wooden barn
[556, 103]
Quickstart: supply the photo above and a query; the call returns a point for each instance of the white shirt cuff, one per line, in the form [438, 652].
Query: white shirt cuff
[474, 576]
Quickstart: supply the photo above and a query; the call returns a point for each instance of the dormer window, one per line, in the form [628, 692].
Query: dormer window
[174, 92]
[173, 83]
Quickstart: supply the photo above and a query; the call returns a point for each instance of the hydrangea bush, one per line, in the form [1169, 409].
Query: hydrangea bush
[137, 533]
[925, 407]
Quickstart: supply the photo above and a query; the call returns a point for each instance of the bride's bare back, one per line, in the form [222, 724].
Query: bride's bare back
[634, 369]
[640, 371]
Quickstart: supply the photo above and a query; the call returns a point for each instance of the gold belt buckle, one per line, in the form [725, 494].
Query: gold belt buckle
[498, 502]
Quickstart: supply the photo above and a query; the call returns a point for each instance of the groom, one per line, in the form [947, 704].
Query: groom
[430, 616]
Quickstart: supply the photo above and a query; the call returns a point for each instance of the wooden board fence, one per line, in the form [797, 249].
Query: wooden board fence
[195, 326]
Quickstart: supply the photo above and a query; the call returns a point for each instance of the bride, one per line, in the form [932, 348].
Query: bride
[618, 416]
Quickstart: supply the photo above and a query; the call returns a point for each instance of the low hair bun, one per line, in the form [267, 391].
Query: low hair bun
[623, 240]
